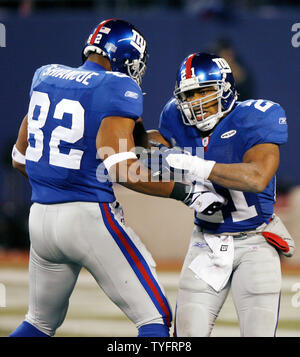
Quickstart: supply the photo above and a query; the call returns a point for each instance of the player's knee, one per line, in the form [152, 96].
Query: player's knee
[192, 321]
[259, 322]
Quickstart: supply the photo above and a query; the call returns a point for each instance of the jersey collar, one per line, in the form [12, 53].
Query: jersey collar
[92, 66]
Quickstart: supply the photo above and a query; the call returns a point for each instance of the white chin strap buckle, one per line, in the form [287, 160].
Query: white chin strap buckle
[186, 111]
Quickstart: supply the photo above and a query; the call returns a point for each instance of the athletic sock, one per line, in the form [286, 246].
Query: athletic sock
[27, 330]
[154, 330]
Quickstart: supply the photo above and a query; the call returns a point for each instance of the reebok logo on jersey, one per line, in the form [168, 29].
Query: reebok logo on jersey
[228, 134]
[200, 244]
[282, 120]
[131, 94]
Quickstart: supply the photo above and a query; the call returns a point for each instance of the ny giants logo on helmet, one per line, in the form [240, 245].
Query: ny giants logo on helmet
[138, 42]
[222, 64]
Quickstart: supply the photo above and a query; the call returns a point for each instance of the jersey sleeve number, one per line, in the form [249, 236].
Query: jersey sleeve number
[260, 104]
[242, 213]
[37, 114]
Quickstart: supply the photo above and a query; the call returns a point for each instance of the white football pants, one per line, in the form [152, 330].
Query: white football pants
[68, 236]
[255, 284]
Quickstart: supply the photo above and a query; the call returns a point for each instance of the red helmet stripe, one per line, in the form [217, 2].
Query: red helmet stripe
[188, 66]
[98, 29]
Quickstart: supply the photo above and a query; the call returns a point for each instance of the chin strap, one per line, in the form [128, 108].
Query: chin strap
[210, 125]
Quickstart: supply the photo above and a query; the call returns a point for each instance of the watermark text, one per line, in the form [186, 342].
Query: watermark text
[2, 35]
[152, 165]
[296, 36]
[2, 295]
[296, 297]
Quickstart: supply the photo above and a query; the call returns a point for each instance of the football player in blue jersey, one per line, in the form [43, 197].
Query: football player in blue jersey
[235, 152]
[80, 126]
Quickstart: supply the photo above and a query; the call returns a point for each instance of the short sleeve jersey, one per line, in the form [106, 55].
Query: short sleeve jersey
[250, 123]
[67, 106]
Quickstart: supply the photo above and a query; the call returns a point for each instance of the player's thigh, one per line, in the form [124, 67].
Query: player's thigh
[198, 304]
[52, 274]
[123, 267]
[256, 285]
[50, 286]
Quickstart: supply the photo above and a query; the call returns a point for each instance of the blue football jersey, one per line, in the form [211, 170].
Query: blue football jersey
[66, 108]
[250, 123]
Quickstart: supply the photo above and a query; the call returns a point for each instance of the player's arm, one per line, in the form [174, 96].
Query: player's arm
[19, 149]
[154, 136]
[261, 158]
[140, 136]
[115, 146]
[253, 174]
[115, 135]
[259, 165]
[147, 139]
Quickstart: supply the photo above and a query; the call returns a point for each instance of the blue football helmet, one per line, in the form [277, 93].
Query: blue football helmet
[203, 70]
[122, 44]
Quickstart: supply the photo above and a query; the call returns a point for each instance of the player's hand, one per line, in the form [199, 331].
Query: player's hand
[196, 167]
[155, 160]
[204, 201]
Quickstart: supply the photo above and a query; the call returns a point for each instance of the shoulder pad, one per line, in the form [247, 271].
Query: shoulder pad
[118, 74]
[171, 104]
[257, 105]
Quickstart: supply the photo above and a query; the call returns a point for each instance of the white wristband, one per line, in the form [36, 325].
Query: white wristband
[205, 170]
[17, 156]
[199, 168]
[115, 158]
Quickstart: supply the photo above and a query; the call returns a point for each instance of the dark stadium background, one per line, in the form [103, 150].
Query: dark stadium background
[267, 53]
[42, 32]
